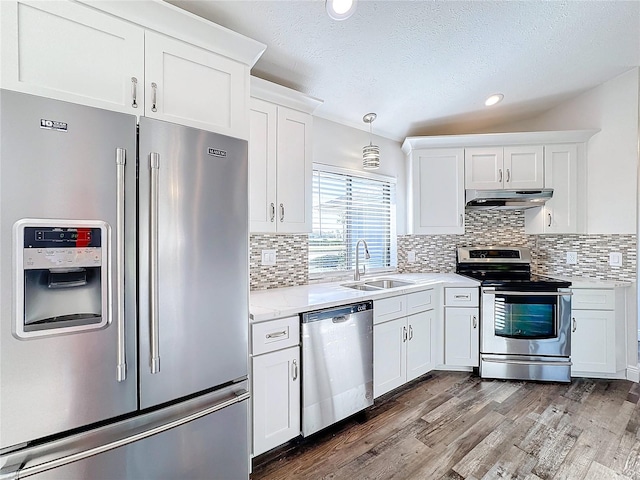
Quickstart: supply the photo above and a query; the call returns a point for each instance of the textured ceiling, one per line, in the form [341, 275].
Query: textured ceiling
[426, 67]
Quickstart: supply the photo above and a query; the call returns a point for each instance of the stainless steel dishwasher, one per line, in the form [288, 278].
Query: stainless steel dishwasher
[337, 364]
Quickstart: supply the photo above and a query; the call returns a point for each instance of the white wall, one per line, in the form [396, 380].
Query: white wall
[341, 146]
[612, 154]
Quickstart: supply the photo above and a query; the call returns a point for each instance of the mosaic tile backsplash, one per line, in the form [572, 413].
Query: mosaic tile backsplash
[436, 253]
[291, 267]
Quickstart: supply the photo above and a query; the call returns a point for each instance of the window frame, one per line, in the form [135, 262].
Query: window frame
[343, 274]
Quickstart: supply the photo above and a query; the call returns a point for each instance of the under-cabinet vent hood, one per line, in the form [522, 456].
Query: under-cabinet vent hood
[506, 199]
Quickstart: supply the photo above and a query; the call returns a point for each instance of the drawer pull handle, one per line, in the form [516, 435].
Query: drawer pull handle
[475, 322]
[404, 334]
[276, 334]
[273, 212]
[573, 321]
[410, 332]
[294, 368]
[462, 297]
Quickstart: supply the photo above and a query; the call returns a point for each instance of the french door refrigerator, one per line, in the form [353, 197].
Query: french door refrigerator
[123, 296]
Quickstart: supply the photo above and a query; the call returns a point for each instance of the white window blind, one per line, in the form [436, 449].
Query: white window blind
[347, 208]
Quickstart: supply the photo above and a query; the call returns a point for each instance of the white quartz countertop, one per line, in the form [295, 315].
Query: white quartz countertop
[287, 301]
[584, 282]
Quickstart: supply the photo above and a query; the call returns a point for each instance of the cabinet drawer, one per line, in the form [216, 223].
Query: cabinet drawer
[274, 335]
[389, 308]
[592, 299]
[461, 297]
[420, 301]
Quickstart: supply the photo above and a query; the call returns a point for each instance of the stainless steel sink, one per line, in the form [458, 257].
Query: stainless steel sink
[361, 286]
[375, 284]
[387, 283]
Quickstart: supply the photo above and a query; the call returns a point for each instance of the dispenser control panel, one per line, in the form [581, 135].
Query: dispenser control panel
[62, 247]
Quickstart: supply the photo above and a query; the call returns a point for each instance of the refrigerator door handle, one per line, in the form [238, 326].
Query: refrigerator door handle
[121, 158]
[58, 462]
[154, 164]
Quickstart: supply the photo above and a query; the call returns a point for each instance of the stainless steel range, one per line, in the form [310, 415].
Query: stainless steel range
[525, 319]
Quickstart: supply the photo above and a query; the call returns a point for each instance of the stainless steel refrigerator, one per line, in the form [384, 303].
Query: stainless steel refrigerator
[123, 296]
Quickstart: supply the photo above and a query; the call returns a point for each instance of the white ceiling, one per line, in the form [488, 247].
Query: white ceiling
[426, 67]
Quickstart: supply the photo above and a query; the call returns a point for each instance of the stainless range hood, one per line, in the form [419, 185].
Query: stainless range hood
[506, 199]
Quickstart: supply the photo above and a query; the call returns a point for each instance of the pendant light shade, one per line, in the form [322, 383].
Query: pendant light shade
[371, 152]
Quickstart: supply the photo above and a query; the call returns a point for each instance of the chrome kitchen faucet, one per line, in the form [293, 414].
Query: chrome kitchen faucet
[356, 274]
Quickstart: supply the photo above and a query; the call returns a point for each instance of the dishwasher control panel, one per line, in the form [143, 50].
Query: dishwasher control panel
[337, 312]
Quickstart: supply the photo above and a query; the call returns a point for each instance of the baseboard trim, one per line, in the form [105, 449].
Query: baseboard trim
[633, 373]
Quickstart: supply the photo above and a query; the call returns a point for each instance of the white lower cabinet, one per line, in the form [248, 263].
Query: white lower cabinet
[461, 327]
[403, 347]
[275, 383]
[462, 337]
[597, 332]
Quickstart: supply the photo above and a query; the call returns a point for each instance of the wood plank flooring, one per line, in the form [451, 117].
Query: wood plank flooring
[450, 425]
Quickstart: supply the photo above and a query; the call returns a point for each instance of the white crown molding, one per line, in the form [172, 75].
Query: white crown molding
[498, 139]
[272, 92]
[170, 20]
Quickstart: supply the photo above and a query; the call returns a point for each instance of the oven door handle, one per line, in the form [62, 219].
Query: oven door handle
[525, 294]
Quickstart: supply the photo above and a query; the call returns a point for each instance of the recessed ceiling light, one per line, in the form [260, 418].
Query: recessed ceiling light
[493, 99]
[340, 9]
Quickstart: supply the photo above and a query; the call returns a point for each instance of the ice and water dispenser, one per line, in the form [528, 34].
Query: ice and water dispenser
[62, 270]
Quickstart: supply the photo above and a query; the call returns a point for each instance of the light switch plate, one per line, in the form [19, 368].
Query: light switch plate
[268, 257]
[572, 258]
[615, 259]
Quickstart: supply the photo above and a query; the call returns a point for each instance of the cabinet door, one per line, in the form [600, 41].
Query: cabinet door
[523, 167]
[389, 355]
[192, 86]
[436, 192]
[293, 172]
[560, 213]
[420, 344]
[462, 340]
[71, 52]
[276, 398]
[262, 165]
[483, 168]
[593, 341]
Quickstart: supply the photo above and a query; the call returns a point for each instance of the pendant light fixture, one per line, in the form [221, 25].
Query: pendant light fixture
[371, 152]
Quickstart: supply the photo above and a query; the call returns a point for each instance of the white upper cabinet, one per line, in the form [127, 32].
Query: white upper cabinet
[563, 212]
[71, 52]
[110, 55]
[436, 191]
[280, 159]
[512, 168]
[192, 86]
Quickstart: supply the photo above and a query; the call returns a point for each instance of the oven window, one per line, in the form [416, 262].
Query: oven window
[525, 316]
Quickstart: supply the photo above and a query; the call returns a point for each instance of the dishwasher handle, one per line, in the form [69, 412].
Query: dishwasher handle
[338, 314]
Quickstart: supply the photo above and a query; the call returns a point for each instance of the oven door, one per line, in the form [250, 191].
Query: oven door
[526, 323]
